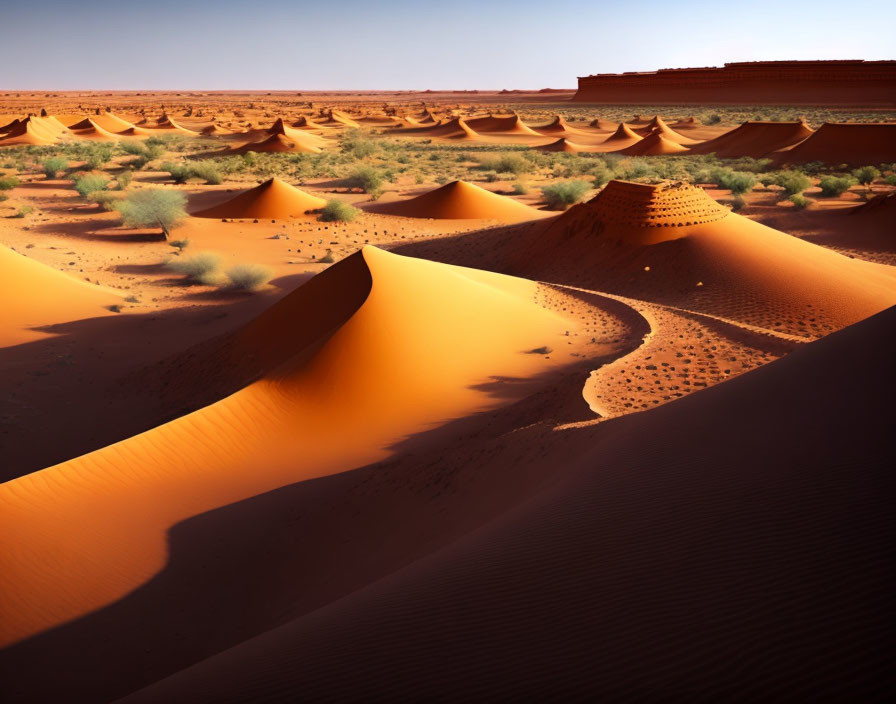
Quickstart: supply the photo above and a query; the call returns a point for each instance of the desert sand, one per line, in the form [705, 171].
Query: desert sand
[458, 440]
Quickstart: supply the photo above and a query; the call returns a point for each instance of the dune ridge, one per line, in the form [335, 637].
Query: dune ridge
[460, 200]
[272, 199]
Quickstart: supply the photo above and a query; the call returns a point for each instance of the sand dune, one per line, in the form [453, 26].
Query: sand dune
[166, 123]
[298, 136]
[558, 126]
[460, 200]
[35, 296]
[729, 543]
[853, 144]
[33, 131]
[418, 342]
[658, 125]
[272, 199]
[622, 136]
[603, 125]
[654, 144]
[215, 129]
[89, 129]
[564, 145]
[276, 143]
[500, 124]
[755, 139]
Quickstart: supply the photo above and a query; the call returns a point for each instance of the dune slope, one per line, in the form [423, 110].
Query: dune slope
[460, 200]
[272, 199]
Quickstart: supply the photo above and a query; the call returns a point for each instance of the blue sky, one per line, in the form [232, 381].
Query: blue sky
[397, 44]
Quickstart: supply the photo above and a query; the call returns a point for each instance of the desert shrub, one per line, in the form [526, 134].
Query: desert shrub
[338, 211]
[98, 155]
[506, 164]
[738, 203]
[107, 200]
[793, 182]
[208, 172]
[53, 166]
[123, 179]
[490, 176]
[520, 189]
[199, 269]
[87, 184]
[866, 175]
[7, 183]
[602, 176]
[833, 186]
[356, 144]
[178, 172]
[890, 179]
[713, 119]
[738, 182]
[368, 179]
[180, 245]
[152, 207]
[23, 211]
[564, 194]
[328, 258]
[800, 202]
[248, 277]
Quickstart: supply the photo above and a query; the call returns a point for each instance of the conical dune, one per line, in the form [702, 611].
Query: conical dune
[111, 122]
[272, 199]
[700, 256]
[215, 130]
[558, 126]
[658, 125]
[166, 123]
[654, 144]
[755, 139]
[564, 145]
[846, 143]
[340, 118]
[302, 137]
[415, 343]
[88, 129]
[603, 125]
[506, 124]
[460, 200]
[623, 133]
[34, 295]
[276, 143]
[29, 133]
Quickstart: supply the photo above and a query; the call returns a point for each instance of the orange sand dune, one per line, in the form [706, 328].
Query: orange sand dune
[34, 131]
[276, 143]
[420, 341]
[35, 295]
[564, 145]
[654, 144]
[622, 134]
[658, 125]
[672, 243]
[111, 122]
[306, 123]
[460, 200]
[755, 139]
[507, 124]
[558, 126]
[298, 136]
[603, 125]
[272, 199]
[215, 129]
[88, 129]
[843, 143]
[166, 123]
[340, 118]
[734, 542]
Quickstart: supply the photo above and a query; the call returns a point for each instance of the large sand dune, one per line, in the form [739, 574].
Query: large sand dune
[854, 144]
[730, 545]
[272, 199]
[755, 139]
[413, 352]
[460, 200]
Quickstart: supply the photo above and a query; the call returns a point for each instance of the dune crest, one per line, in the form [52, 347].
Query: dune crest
[272, 199]
[460, 200]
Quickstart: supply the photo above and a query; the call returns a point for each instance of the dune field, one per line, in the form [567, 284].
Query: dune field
[440, 396]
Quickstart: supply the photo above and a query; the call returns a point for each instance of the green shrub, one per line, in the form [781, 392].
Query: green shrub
[506, 164]
[249, 277]
[123, 179]
[208, 172]
[890, 179]
[180, 245]
[7, 183]
[866, 175]
[520, 189]
[833, 186]
[800, 202]
[562, 195]
[738, 182]
[338, 211]
[738, 203]
[87, 184]
[602, 177]
[23, 211]
[178, 172]
[368, 179]
[153, 207]
[793, 182]
[107, 200]
[199, 269]
[53, 166]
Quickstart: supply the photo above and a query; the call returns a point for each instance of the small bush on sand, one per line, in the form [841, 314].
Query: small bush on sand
[208, 172]
[738, 203]
[249, 277]
[51, 167]
[368, 179]
[179, 172]
[562, 195]
[7, 183]
[23, 211]
[87, 184]
[738, 182]
[866, 175]
[107, 200]
[890, 179]
[833, 186]
[123, 179]
[180, 245]
[328, 258]
[338, 211]
[800, 202]
[793, 182]
[201, 269]
[520, 189]
[153, 207]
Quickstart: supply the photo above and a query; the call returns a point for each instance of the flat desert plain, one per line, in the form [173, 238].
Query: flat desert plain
[444, 396]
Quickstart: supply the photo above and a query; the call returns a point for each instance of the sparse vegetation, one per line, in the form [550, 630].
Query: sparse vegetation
[248, 277]
[338, 211]
[201, 269]
[793, 182]
[520, 189]
[107, 200]
[88, 184]
[123, 179]
[564, 194]
[153, 207]
[208, 171]
[179, 245]
[23, 211]
[866, 175]
[368, 179]
[7, 183]
[52, 166]
[800, 202]
[834, 186]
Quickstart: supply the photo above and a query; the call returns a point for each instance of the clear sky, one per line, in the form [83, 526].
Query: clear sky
[413, 45]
